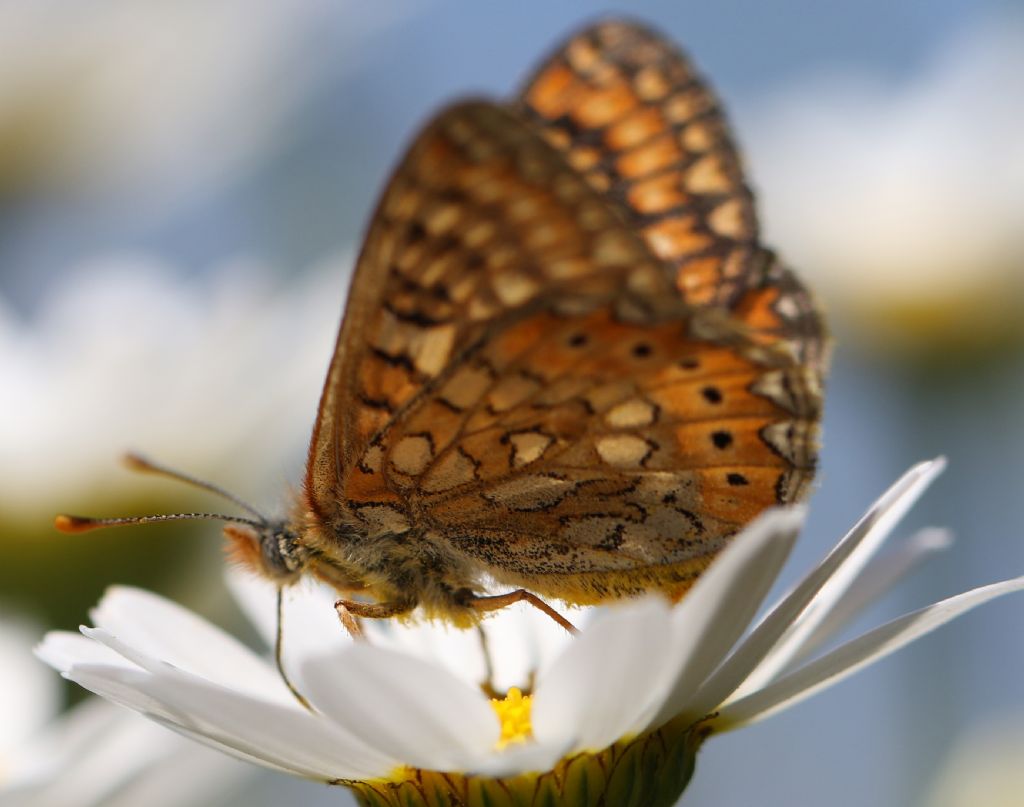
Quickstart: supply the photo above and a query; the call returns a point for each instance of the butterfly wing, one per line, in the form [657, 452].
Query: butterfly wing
[519, 384]
[627, 110]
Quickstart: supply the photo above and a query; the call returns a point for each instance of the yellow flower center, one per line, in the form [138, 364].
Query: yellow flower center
[514, 713]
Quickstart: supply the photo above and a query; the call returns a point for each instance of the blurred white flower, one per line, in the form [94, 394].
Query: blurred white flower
[984, 769]
[220, 376]
[94, 755]
[901, 199]
[27, 700]
[388, 713]
[148, 99]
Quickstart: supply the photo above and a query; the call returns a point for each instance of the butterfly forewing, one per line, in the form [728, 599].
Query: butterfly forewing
[522, 383]
[479, 222]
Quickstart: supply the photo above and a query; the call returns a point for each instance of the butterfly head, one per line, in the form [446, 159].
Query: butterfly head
[271, 549]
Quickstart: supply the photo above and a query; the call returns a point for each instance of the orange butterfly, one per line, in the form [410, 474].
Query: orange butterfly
[566, 364]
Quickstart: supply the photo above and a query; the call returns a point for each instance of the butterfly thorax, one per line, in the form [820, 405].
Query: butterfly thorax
[403, 569]
[399, 569]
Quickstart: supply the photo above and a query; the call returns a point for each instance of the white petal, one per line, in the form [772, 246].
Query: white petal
[403, 706]
[187, 774]
[514, 645]
[62, 650]
[852, 656]
[795, 643]
[439, 644]
[120, 685]
[526, 758]
[522, 640]
[843, 562]
[604, 682]
[272, 688]
[714, 614]
[257, 597]
[205, 741]
[29, 694]
[48, 755]
[164, 630]
[309, 622]
[112, 754]
[877, 579]
[310, 627]
[282, 737]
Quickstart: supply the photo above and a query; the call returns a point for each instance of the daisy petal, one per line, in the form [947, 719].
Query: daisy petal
[834, 607]
[714, 614]
[533, 757]
[419, 712]
[256, 597]
[604, 681]
[309, 624]
[878, 577]
[185, 773]
[519, 642]
[216, 745]
[162, 629]
[63, 649]
[283, 737]
[844, 562]
[852, 656]
[459, 651]
[118, 684]
[110, 746]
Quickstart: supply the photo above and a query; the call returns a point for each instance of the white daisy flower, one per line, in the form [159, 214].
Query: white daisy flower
[983, 767]
[96, 754]
[901, 199]
[27, 700]
[161, 366]
[614, 715]
[145, 102]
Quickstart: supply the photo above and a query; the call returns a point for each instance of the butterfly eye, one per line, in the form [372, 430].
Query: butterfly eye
[280, 550]
[269, 550]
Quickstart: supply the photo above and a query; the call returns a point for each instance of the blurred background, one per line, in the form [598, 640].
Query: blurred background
[182, 188]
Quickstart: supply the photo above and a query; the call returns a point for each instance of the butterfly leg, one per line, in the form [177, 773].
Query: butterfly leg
[498, 601]
[487, 685]
[349, 612]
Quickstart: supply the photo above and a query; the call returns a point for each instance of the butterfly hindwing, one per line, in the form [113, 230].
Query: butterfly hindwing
[628, 110]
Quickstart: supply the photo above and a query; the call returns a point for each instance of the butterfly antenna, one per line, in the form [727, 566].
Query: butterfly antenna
[137, 462]
[76, 524]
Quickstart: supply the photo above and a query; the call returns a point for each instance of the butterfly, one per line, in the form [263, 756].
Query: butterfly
[566, 366]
